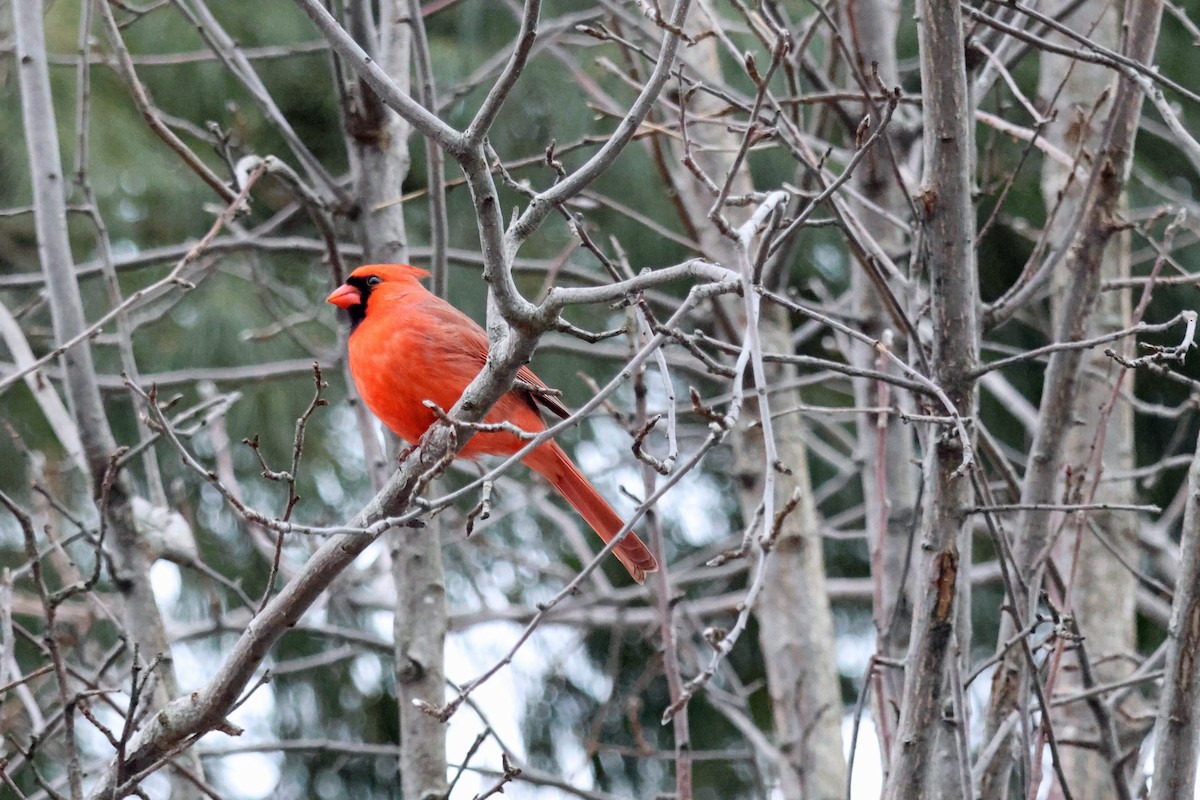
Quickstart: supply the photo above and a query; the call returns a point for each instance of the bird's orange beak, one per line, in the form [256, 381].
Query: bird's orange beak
[345, 296]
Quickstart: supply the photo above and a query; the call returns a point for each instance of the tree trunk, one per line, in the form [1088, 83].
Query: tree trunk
[885, 442]
[932, 707]
[795, 624]
[1092, 227]
[381, 146]
[1102, 590]
[131, 556]
[1177, 736]
[795, 620]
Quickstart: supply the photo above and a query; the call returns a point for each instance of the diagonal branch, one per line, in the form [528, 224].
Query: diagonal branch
[400, 101]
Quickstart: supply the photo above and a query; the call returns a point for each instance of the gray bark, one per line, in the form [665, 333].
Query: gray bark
[131, 557]
[420, 630]
[795, 624]
[926, 723]
[885, 445]
[1092, 226]
[1103, 591]
[795, 620]
[1177, 735]
[381, 140]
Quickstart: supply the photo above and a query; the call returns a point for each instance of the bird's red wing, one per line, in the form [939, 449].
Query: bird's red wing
[470, 340]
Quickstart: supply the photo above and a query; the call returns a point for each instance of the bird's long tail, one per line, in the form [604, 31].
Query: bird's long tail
[551, 462]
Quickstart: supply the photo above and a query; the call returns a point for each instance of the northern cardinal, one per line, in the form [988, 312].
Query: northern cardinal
[407, 345]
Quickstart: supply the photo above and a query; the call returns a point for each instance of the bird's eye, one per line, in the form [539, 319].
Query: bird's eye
[374, 280]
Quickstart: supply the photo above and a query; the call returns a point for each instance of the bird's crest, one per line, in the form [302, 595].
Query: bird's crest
[391, 272]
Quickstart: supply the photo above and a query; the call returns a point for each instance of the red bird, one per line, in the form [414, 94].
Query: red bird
[407, 345]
